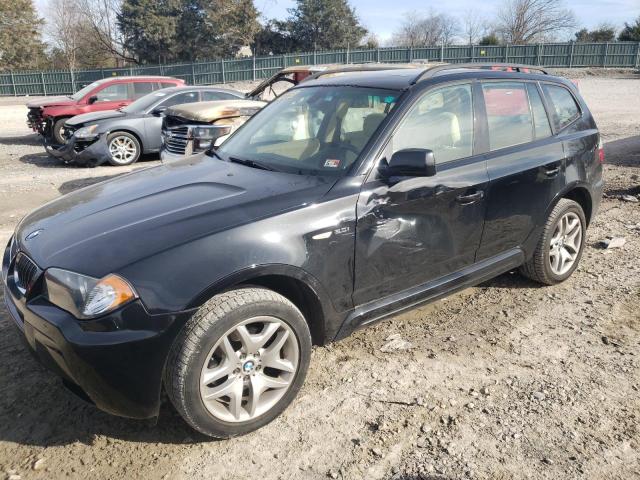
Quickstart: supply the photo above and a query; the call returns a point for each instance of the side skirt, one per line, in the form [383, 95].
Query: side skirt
[479, 272]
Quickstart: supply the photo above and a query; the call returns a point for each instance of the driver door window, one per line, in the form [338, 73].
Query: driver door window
[441, 121]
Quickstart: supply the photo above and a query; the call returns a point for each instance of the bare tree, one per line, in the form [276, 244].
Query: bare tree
[474, 26]
[102, 19]
[64, 29]
[526, 21]
[419, 30]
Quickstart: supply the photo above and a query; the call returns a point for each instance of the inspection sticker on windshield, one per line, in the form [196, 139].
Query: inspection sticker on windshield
[332, 163]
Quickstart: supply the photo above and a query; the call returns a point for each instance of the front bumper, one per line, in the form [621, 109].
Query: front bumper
[91, 152]
[166, 156]
[117, 361]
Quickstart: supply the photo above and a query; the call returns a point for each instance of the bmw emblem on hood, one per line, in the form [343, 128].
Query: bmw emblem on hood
[33, 234]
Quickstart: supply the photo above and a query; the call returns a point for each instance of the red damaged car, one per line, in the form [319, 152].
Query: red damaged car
[47, 115]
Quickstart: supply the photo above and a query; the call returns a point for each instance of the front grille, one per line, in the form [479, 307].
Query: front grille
[25, 273]
[176, 140]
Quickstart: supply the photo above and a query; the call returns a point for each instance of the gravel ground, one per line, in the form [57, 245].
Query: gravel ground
[504, 380]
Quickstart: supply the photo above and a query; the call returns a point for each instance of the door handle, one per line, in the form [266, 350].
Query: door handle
[471, 198]
[551, 170]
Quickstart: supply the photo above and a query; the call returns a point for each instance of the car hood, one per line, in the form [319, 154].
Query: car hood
[123, 220]
[51, 102]
[94, 117]
[209, 112]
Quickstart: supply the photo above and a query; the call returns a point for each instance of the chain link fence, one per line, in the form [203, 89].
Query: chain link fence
[561, 55]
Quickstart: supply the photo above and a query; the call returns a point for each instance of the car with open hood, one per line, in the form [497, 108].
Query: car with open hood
[349, 198]
[48, 115]
[121, 136]
[193, 129]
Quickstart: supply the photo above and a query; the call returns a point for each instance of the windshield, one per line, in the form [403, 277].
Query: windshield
[311, 131]
[141, 104]
[83, 91]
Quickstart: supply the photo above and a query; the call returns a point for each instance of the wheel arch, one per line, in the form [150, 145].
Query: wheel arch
[582, 197]
[577, 192]
[295, 284]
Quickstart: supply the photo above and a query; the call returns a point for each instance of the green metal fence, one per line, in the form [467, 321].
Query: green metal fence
[64, 82]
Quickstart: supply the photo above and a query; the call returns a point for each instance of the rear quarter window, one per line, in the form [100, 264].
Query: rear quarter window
[564, 108]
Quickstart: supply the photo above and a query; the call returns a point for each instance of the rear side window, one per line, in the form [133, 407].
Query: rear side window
[167, 85]
[564, 109]
[540, 120]
[140, 89]
[508, 114]
[113, 93]
[210, 96]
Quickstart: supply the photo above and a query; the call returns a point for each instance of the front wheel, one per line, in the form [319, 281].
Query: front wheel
[124, 148]
[560, 247]
[238, 362]
[58, 131]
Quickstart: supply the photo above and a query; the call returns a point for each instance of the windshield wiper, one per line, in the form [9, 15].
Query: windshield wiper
[252, 164]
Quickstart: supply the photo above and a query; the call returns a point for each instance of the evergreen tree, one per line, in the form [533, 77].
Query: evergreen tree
[20, 44]
[630, 32]
[325, 24]
[149, 29]
[211, 29]
[604, 33]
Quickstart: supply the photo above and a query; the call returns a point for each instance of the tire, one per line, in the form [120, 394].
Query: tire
[58, 129]
[124, 147]
[193, 356]
[548, 265]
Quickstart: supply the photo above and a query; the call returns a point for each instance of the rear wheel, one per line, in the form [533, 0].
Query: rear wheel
[124, 148]
[560, 247]
[239, 361]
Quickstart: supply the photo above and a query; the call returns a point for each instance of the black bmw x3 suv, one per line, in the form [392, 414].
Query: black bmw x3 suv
[350, 198]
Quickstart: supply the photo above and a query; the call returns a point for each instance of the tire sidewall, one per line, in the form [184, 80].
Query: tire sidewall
[136, 143]
[569, 206]
[195, 409]
[58, 126]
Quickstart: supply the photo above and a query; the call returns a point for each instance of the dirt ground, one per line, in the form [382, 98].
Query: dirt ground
[504, 380]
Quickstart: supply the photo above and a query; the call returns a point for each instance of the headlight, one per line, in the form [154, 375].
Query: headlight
[205, 136]
[86, 132]
[87, 297]
[203, 133]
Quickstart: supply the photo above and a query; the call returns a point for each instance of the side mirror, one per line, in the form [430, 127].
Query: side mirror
[92, 99]
[159, 111]
[411, 162]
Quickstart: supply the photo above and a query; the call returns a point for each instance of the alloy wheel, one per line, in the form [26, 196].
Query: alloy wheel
[249, 369]
[565, 243]
[122, 149]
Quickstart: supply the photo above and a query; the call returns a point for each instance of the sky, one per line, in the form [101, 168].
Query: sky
[383, 16]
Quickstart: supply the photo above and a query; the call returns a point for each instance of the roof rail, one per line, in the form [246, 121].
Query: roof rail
[431, 72]
[365, 67]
